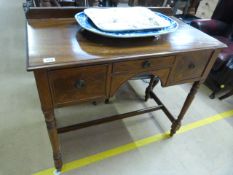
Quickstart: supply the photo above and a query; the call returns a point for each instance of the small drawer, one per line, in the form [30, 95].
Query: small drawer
[143, 64]
[190, 65]
[78, 84]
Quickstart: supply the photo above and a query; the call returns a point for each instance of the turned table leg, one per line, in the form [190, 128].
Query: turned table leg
[54, 139]
[153, 82]
[47, 107]
[177, 123]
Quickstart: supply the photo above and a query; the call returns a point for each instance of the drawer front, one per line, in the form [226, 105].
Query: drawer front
[78, 84]
[143, 64]
[120, 79]
[191, 65]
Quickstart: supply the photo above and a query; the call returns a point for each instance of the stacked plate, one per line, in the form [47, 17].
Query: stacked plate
[128, 22]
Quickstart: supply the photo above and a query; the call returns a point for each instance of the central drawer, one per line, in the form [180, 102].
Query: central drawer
[78, 84]
[142, 65]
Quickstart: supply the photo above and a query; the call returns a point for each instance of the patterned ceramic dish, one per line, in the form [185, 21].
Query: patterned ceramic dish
[87, 24]
[125, 19]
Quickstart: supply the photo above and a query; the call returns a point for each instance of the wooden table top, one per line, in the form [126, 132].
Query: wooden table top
[64, 40]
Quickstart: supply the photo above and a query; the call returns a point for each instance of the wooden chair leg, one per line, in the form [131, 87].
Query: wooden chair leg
[107, 101]
[212, 95]
[228, 94]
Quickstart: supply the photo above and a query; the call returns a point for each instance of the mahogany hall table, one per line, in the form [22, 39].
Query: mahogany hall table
[72, 66]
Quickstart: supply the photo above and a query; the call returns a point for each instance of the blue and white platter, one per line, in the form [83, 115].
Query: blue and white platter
[87, 24]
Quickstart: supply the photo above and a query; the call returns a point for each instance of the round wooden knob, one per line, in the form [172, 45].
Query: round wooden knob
[79, 84]
[146, 64]
[191, 66]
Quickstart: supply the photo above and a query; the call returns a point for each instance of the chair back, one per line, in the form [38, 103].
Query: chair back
[224, 11]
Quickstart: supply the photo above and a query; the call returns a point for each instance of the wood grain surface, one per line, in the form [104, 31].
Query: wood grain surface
[64, 40]
[84, 67]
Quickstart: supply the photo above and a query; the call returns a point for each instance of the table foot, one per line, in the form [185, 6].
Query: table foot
[57, 161]
[57, 172]
[175, 127]
[107, 101]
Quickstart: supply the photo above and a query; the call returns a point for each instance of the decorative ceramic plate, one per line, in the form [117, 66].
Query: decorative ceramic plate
[125, 19]
[87, 24]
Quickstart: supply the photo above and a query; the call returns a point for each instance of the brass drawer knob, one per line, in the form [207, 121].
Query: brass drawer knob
[146, 64]
[79, 84]
[191, 66]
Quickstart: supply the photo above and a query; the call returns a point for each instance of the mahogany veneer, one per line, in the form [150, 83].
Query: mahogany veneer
[89, 67]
